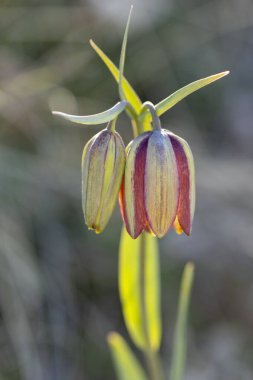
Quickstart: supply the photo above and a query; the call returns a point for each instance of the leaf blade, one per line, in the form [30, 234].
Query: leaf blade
[180, 94]
[129, 287]
[130, 93]
[179, 347]
[130, 290]
[126, 365]
[153, 291]
[123, 56]
[99, 118]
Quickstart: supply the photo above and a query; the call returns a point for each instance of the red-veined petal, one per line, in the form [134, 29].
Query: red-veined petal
[186, 171]
[132, 191]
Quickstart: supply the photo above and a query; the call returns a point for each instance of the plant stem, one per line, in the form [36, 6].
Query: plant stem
[155, 119]
[134, 127]
[111, 126]
[151, 356]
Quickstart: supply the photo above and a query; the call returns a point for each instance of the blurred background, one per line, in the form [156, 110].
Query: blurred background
[58, 281]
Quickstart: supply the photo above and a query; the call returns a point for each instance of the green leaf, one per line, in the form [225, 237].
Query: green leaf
[99, 118]
[123, 56]
[179, 348]
[126, 365]
[140, 289]
[152, 290]
[129, 92]
[180, 94]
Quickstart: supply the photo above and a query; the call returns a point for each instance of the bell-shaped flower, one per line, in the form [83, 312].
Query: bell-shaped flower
[103, 164]
[158, 189]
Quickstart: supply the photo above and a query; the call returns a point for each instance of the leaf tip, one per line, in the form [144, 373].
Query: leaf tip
[220, 75]
[93, 44]
[190, 267]
[56, 113]
[224, 73]
[112, 337]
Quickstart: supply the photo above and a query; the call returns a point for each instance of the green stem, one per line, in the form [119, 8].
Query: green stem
[155, 119]
[152, 360]
[135, 127]
[111, 126]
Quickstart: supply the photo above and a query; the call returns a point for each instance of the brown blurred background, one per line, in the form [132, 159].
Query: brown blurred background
[58, 281]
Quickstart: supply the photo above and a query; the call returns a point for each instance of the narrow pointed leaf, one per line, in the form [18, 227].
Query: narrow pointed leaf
[180, 94]
[179, 348]
[129, 92]
[131, 288]
[123, 56]
[126, 365]
[98, 118]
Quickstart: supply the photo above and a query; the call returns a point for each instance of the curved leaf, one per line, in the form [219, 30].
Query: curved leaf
[99, 118]
[131, 287]
[126, 364]
[129, 92]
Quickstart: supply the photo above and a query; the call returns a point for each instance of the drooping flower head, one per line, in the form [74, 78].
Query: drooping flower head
[103, 164]
[158, 189]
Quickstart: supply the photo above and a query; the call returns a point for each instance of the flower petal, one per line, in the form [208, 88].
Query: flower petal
[114, 165]
[161, 184]
[177, 227]
[95, 173]
[132, 190]
[185, 163]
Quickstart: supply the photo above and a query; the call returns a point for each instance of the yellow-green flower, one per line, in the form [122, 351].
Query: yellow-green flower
[103, 164]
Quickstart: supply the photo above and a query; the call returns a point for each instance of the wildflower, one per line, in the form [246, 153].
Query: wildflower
[103, 164]
[158, 189]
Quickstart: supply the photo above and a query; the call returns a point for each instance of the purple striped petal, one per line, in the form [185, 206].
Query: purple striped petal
[186, 172]
[131, 197]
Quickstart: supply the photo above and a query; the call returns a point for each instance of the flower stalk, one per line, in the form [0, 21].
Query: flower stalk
[155, 119]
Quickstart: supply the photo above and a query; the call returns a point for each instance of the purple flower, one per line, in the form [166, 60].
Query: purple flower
[158, 189]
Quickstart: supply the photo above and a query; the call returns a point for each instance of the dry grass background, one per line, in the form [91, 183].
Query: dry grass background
[58, 281]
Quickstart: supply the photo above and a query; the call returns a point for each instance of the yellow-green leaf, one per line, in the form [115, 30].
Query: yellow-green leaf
[98, 118]
[129, 92]
[123, 57]
[139, 287]
[180, 94]
[126, 365]
[179, 348]
[152, 290]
